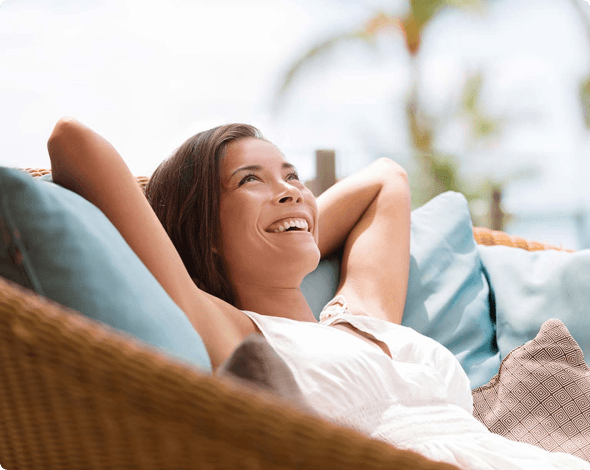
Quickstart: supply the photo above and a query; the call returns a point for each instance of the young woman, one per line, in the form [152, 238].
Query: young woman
[231, 233]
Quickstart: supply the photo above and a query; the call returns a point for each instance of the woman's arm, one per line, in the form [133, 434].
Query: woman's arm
[370, 213]
[86, 163]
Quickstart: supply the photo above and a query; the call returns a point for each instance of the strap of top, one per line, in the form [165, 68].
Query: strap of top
[335, 307]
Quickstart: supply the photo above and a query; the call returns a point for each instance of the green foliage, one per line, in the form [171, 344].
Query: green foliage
[318, 50]
[483, 125]
[424, 10]
[471, 93]
[479, 5]
[585, 98]
[436, 173]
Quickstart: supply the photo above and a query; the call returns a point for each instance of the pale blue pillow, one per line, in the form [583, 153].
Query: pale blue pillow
[448, 294]
[531, 287]
[319, 286]
[72, 254]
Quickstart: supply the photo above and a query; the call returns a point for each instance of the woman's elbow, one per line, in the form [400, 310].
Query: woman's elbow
[391, 170]
[391, 166]
[65, 138]
[64, 128]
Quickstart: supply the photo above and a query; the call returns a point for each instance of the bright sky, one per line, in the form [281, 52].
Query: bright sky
[149, 74]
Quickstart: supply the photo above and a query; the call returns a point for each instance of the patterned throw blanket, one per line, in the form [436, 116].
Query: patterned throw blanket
[541, 394]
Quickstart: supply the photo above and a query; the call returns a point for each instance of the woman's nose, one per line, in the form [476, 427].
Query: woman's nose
[289, 192]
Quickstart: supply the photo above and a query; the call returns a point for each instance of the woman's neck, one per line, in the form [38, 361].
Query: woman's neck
[274, 301]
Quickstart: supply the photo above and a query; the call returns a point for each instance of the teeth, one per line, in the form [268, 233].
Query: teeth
[299, 223]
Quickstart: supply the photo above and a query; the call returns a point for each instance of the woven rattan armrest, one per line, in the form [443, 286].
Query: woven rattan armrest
[486, 236]
[77, 394]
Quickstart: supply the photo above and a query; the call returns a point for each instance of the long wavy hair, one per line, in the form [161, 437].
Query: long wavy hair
[184, 192]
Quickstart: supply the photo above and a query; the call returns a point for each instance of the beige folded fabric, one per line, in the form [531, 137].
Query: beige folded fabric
[541, 394]
[256, 364]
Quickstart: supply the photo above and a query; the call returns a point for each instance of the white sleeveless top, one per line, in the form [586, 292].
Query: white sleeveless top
[419, 399]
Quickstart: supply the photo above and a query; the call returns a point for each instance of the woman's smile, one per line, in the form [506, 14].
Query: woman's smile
[290, 223]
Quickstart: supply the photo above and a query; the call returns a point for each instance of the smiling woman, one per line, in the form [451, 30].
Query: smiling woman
[211, 197]
[86, 163]
[217, 197]
[259, 262]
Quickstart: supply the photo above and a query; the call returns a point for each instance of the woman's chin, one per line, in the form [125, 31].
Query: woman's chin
[308, 256]
[295, 263]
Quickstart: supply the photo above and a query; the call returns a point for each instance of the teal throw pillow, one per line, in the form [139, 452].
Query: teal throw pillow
[319, 286]
[63, 247]
[530, 287]
[448, 293]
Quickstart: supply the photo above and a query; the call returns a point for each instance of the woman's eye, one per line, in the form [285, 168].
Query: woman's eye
[253, 177]
[246, 179]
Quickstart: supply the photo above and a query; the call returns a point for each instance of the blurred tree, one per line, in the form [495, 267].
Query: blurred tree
[584, 14]
[437, 172]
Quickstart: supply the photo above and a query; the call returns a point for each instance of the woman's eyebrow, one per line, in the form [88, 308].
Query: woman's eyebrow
[285, 165]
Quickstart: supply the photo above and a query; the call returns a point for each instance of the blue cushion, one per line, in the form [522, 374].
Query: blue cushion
[319, 286]
[71, 253]
[448, 294]
[531, 287]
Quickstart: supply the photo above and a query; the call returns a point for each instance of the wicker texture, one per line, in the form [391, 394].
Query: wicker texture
[486, 236]
[77, 394]
[35, 172]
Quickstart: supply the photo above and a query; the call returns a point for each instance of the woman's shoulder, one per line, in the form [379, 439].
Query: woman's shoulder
[221, 325]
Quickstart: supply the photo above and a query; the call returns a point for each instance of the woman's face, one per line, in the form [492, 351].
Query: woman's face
[253, 201]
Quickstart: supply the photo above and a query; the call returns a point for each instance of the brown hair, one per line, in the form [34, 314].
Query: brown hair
[184, 192]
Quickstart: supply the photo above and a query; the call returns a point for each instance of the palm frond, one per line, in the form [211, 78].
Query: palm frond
[424, 10]
[471, 92]
[320, 49]
[467, 4]
[367, 33]
[585, 98]
[584, 90]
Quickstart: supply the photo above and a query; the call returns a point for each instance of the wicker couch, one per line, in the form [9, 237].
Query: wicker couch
[77, 394]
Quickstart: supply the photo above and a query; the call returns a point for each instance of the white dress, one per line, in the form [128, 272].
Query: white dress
[420, 399]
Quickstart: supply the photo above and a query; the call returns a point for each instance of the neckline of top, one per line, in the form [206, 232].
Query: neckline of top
[335, 307]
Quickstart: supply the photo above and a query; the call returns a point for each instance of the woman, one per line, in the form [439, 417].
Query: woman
[234, 236]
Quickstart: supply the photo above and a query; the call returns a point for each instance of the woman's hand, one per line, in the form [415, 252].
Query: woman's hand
[342, 205]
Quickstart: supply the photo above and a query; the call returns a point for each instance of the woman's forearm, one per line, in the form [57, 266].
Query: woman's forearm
[86, 163]
[342, 205]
